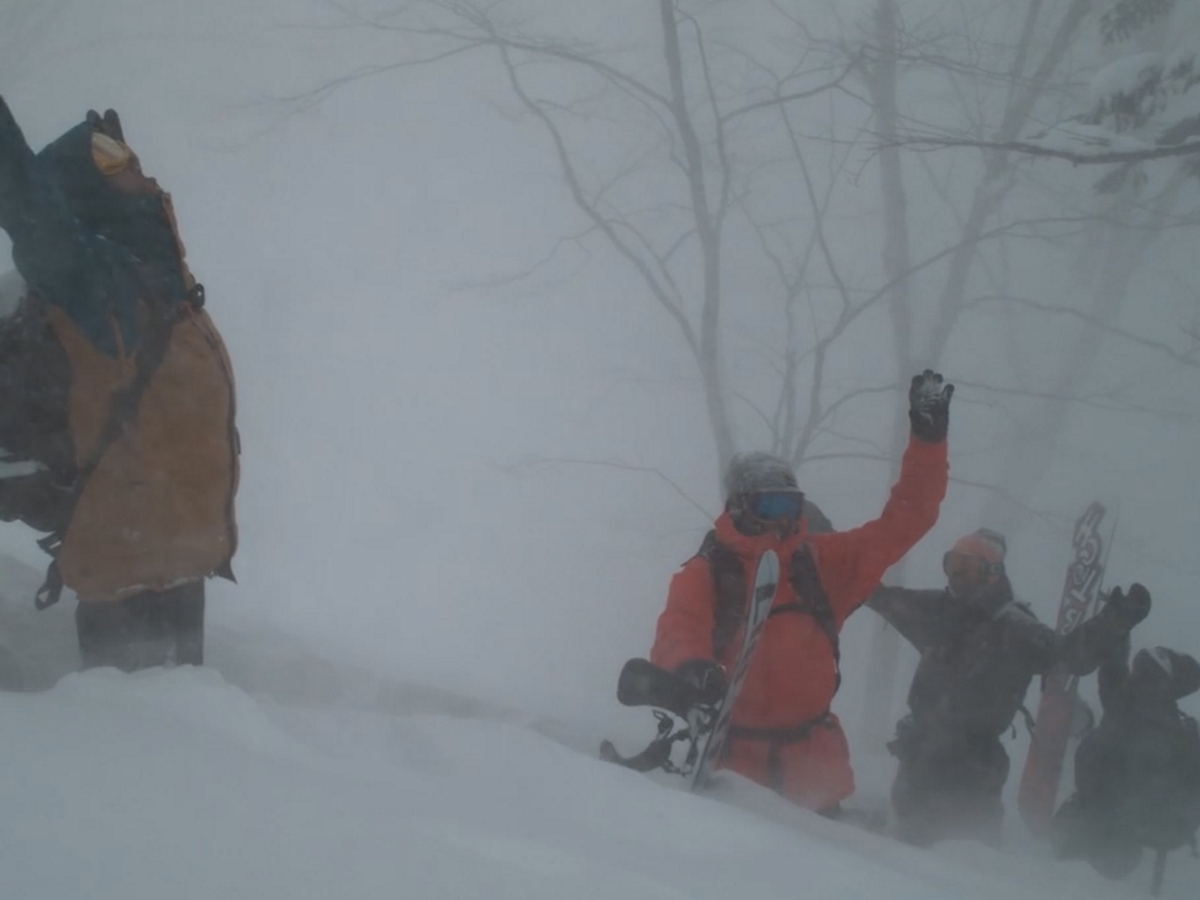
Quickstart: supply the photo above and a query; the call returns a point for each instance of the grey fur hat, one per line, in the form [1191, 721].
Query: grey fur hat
[758, 471]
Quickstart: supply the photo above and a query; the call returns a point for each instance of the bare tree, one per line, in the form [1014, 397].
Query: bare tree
[714, 149]
[689, 163]
[1020, 78]
[683, 153]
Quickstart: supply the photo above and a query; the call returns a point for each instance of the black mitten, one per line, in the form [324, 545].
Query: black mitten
[929, 407]
[1127, 610]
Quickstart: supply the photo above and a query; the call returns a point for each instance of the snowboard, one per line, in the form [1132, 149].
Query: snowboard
[706, 727]
[1037, 797]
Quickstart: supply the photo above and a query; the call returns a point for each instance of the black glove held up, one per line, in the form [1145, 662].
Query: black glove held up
[929, 407]
[1127, 610]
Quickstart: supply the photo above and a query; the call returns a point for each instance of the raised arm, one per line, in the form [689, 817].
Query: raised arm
[921, 617]
[852, 562]
[1098, 640]
[93, 280]
[48, 245]
[1113, 675]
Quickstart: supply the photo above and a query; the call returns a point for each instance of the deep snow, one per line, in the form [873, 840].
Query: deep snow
[279, 774]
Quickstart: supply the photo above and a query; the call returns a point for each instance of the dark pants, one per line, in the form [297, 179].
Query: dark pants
[948, 786]
[1091, 830]
[154, 628]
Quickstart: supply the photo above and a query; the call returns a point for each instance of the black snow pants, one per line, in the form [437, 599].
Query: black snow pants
[948, 785]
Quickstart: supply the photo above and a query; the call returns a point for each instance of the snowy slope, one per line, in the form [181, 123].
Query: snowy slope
[177, 784]
[281, 773]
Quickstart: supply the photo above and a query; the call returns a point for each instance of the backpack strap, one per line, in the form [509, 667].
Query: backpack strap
[814, 601]
[729, 582]
[776, 739]
[792, 734]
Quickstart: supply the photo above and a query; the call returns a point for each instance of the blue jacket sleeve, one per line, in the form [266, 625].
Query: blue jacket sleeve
[57, 257]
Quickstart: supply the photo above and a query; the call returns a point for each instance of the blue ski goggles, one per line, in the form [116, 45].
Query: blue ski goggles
[775, 506]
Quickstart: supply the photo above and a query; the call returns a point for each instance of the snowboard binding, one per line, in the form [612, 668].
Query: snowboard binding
[707, 725]
[642, 683]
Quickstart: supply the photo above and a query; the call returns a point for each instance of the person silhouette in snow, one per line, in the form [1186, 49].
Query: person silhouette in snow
[117, 405]
[1137, 775]
[783, 733]
[980, 649]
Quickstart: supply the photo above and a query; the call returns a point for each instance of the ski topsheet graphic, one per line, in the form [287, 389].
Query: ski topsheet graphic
[706, 726]
[1038, 795]
[762, 596]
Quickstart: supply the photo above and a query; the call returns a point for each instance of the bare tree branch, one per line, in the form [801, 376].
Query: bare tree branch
[783, 99]
[931, 142]
[571, 176]
[1190, 357]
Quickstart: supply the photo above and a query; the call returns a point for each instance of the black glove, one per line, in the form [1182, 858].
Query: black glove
[929, 407]
[705, 677]
[1126, 610]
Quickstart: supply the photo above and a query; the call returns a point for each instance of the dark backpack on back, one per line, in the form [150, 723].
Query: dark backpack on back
[730, 583]
[1143, 776]
[1165, 770]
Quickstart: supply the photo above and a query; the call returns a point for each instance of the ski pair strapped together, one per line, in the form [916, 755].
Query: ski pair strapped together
[766, 583]
[1038, 794]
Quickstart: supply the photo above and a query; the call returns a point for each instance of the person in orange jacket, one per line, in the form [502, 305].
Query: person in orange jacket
[784, 735]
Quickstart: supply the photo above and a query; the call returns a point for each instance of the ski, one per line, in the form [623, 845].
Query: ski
[762, 596]
[705, 726]
[1039, 789]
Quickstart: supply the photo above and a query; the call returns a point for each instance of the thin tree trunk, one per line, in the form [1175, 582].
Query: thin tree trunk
[708, 235]
[897, 260]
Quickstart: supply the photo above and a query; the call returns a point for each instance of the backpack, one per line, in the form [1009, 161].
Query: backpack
[729, 581]
[1145, 776]
[1165, 764]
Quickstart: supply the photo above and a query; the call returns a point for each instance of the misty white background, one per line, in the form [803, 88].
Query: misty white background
[386, 406]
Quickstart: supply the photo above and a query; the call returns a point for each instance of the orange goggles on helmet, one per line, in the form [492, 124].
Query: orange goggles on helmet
[968, 567]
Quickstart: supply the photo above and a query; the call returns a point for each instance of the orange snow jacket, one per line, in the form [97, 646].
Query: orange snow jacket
[784, 735]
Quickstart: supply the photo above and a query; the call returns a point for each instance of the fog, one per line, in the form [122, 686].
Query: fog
[484, 481]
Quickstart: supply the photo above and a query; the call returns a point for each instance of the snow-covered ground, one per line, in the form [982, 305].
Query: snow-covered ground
[178, 784]
[276, 773]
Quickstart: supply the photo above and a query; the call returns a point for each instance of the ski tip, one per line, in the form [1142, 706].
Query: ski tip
[770, 560]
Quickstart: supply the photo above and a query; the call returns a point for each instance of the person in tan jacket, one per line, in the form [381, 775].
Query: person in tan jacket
[117, 403]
